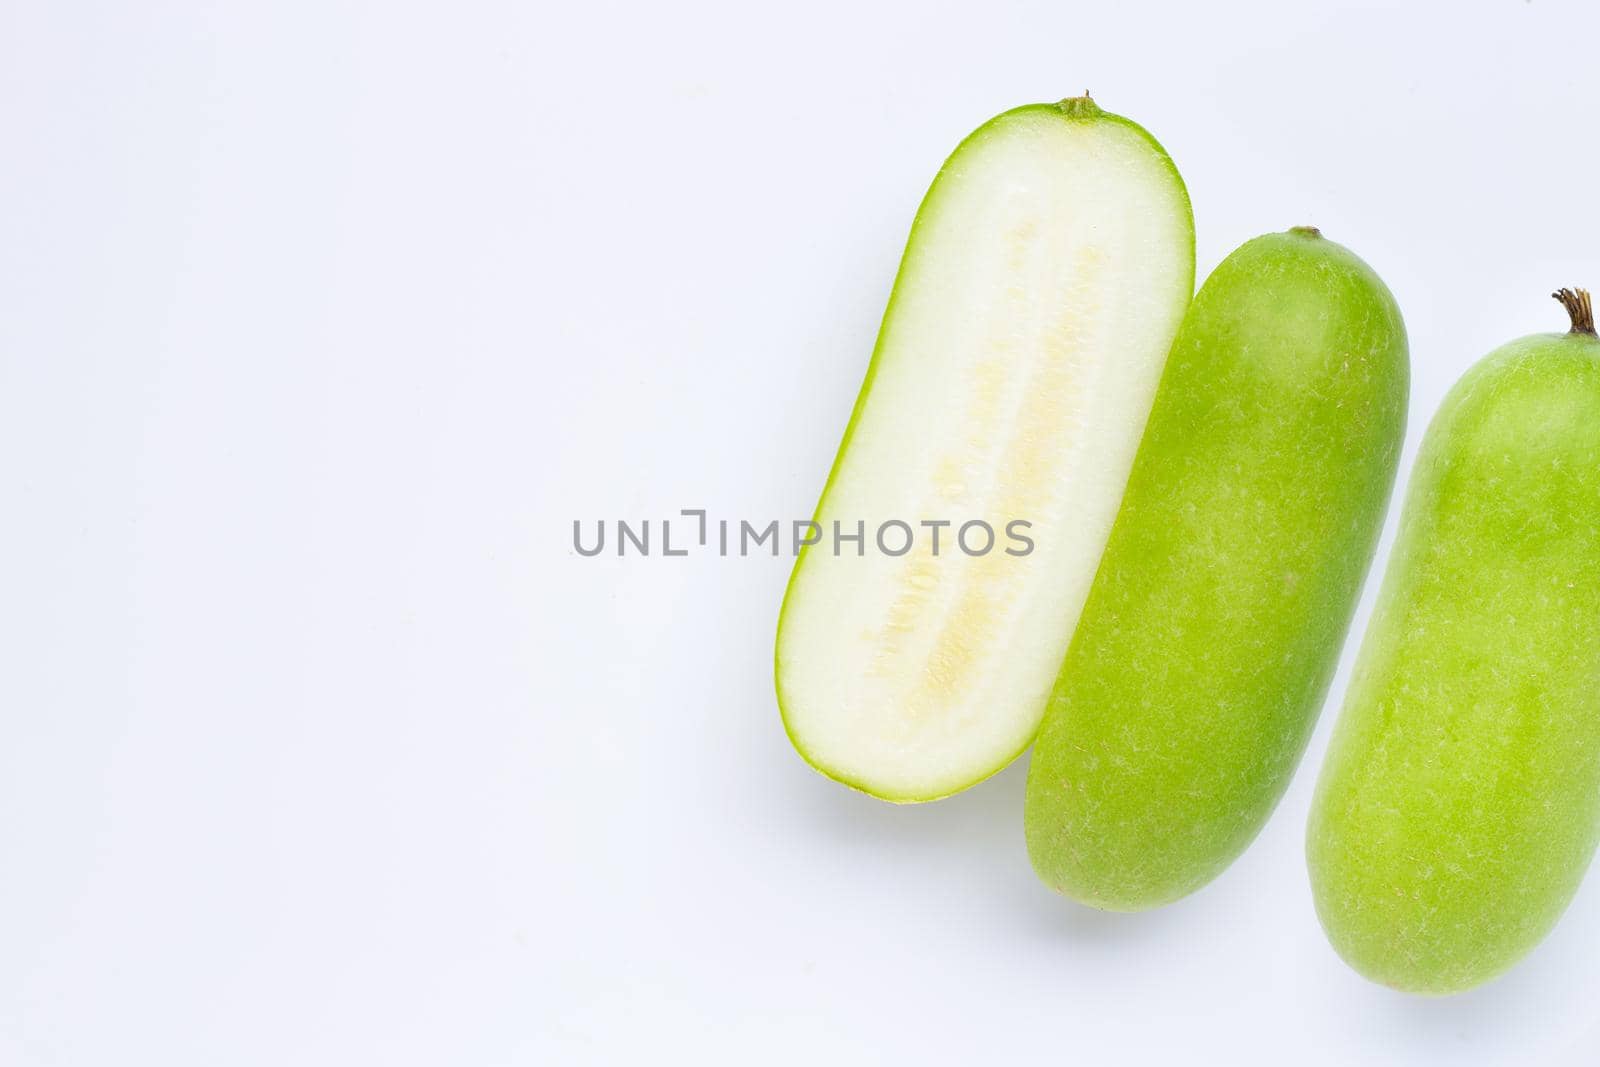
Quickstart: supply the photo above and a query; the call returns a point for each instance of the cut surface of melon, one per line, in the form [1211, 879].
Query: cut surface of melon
[1046, 274]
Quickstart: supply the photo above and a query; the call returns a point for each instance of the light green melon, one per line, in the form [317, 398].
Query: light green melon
[1459, 804]
[1045, 276]
[1214, 626]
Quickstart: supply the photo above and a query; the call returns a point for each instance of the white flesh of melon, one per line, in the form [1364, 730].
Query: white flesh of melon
[1043, 283]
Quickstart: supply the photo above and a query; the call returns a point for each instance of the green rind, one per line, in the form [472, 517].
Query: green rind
[1459, 803]
[1214, 624]
[1079, 109]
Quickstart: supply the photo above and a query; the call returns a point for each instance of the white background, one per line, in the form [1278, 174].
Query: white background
[321, 322]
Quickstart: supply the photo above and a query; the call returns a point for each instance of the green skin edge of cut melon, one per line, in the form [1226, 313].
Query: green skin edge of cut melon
[1071, 110]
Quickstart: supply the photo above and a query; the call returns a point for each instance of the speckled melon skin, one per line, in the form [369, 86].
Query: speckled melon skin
[1458, 806]
[1214, 624]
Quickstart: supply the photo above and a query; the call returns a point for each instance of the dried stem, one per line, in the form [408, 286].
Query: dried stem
[1579, 309]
